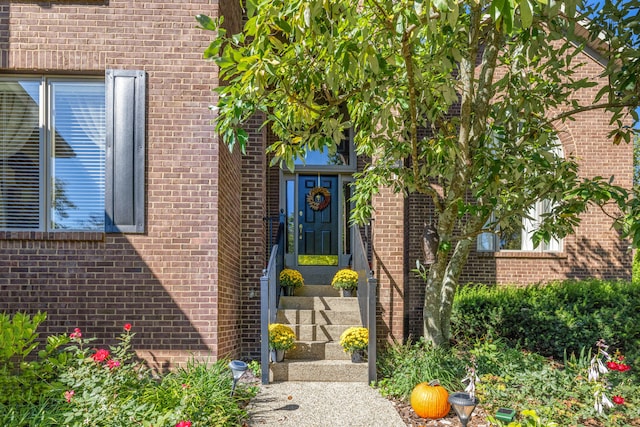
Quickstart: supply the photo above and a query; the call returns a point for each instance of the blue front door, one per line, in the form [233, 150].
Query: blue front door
[318, 200]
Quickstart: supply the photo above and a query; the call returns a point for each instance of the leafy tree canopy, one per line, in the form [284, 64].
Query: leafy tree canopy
[458, 100]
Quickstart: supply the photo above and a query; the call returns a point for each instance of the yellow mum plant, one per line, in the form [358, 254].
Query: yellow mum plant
[345, 279]
[281, 337]
[354, 338]
[290, 277]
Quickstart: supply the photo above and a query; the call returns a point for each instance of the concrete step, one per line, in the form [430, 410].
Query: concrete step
[319, 332]
[318, 317]
[319, 303]
[317, 291]
[318, 370]
[317, 350]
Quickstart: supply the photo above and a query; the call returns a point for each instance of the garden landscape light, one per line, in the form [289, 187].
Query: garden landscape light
[464, 405]
[238, 368]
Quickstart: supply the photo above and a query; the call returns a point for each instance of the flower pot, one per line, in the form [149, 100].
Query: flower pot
[287, 291]
[358, 356]
[276, 355]
[348, 292]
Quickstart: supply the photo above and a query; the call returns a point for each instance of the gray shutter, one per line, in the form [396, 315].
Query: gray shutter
[125, 156]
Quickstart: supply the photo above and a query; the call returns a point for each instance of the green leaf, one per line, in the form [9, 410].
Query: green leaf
[282, 24]
[441, 5]
[207, 23]
[373, 63]
[526, 13]
[251, 6]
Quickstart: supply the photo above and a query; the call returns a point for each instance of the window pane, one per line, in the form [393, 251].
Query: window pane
[511, 238]
[325, 158]
[78, 138]
[19, 155]
[485, 242]
[346, 215]
[291, 217]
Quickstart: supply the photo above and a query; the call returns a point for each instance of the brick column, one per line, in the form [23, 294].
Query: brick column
[389, 237]
[253, 236]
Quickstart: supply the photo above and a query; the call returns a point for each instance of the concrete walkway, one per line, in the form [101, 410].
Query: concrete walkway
[321, 404]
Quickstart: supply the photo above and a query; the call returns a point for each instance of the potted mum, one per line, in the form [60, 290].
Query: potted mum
[291, 279]
[355, 341]
[347, 280]
[281, 339]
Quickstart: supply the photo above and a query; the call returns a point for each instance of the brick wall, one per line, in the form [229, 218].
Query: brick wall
[168, 282]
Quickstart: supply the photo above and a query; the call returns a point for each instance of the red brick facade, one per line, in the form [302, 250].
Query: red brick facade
[190, 283]
[179, 283]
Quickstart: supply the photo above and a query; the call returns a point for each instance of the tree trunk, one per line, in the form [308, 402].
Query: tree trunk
[440, 290]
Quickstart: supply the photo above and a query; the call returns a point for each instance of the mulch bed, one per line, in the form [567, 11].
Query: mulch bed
[478, 419]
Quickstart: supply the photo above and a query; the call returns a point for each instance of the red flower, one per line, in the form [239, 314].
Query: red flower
[112, 363]
[612, 365]
[618, 400]
[127, 327]
[76, 334]
[100, 355]
[68, 395]
[184, 424]
[623, 368]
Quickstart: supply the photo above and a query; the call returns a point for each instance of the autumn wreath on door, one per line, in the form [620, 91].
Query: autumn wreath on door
[318, 198]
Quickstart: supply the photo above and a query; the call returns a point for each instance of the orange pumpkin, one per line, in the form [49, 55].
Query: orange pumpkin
[429, 400]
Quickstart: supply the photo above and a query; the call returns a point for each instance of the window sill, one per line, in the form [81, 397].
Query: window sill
[85, 236]
[523, 254]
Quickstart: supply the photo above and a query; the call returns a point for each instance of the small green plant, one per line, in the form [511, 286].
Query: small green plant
[25, 380]
[255, 368]
[602, 373]
[529, 419]
[402, 366]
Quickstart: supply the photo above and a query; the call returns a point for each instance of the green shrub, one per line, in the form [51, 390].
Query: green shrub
[73, 383]
[551, 319]
[402, 366]
[26, 380]
[635, 271]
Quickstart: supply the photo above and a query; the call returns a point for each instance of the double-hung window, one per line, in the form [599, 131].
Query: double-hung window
[64, 144]
[52, 154]
[519, 237]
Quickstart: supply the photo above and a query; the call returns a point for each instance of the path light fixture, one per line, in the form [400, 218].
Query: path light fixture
[238, 368]
[463, 404]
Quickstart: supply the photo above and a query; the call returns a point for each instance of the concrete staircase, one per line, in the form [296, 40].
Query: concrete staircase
[318, 315]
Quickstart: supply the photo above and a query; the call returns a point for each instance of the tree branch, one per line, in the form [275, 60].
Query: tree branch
[566, 114]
